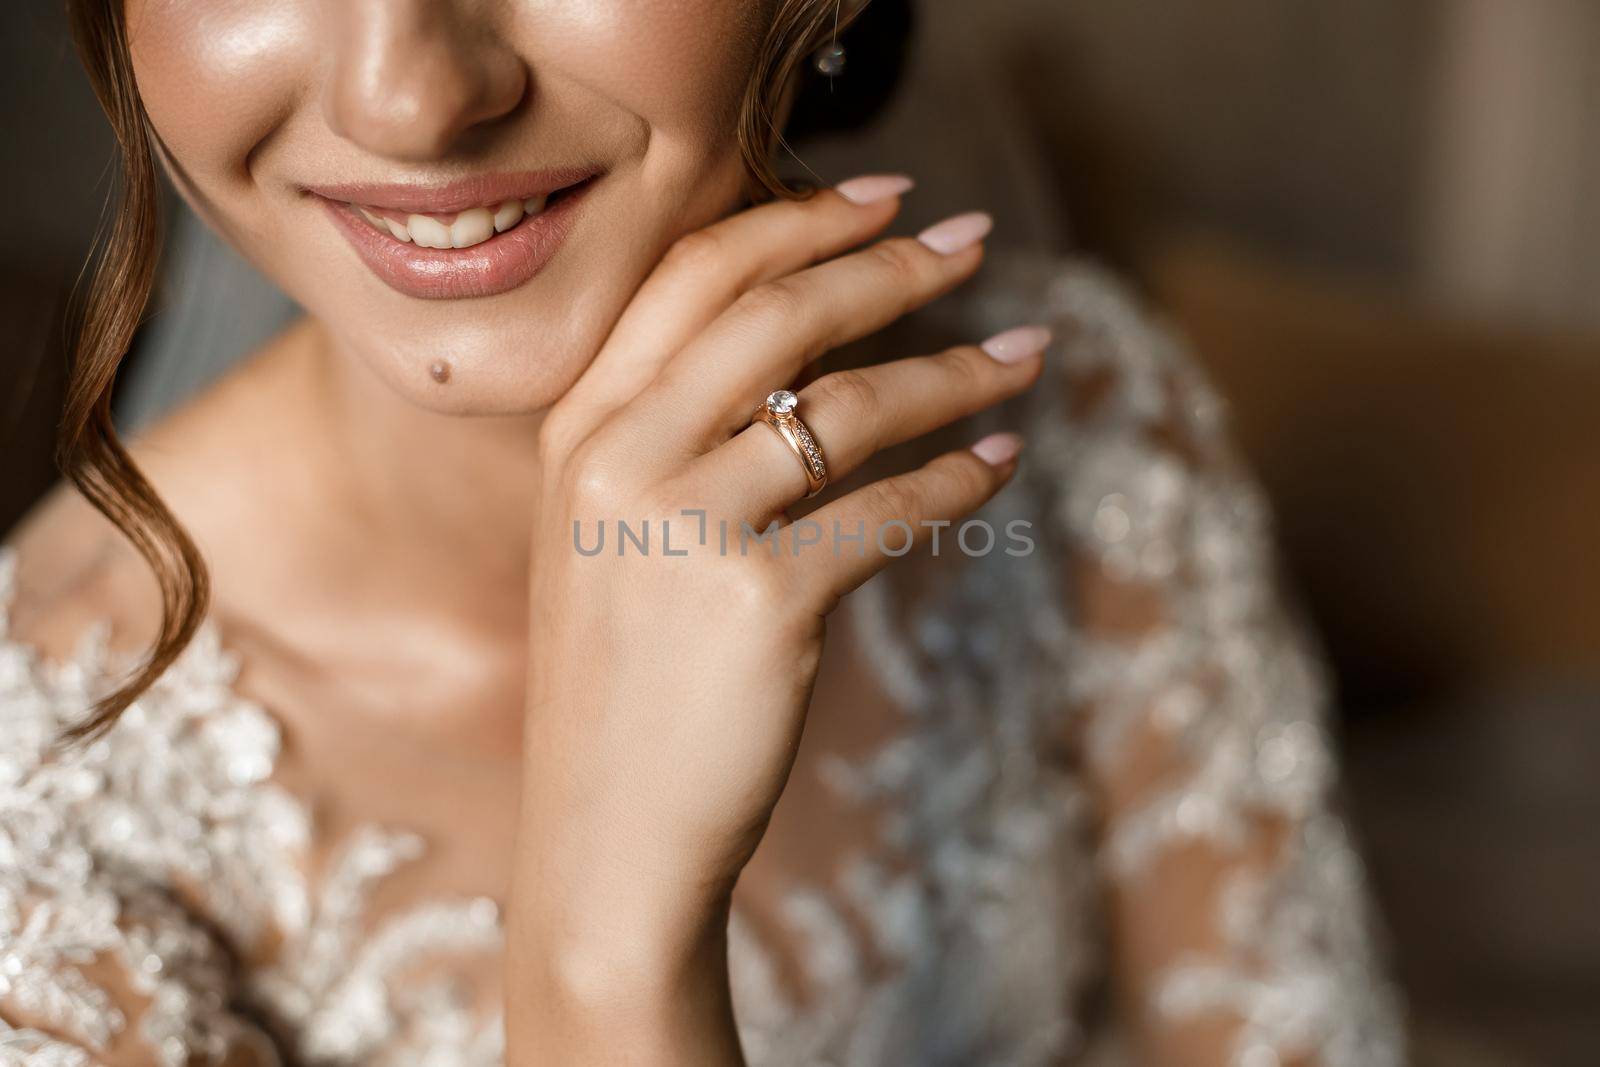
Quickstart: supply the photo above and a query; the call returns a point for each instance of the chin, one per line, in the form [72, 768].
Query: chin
[507, 371]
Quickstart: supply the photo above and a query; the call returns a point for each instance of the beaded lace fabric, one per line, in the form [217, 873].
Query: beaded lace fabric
[158, 851]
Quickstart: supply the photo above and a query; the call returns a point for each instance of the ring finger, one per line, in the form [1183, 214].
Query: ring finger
[776, 329]
[854, 414]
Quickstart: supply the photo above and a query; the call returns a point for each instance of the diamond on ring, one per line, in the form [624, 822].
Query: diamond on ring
[782, 402]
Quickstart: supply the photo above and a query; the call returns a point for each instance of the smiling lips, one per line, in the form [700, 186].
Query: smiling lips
[462, 229]
[477, 237]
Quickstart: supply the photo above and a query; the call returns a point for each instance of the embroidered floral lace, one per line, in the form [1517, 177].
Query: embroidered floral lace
[135, 867]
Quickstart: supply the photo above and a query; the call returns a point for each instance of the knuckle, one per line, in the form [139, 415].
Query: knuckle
[778, 301]
[850, 394]
[968, 369]
[898, 498]
[967, 478]
[901, 257]
[753, 586]
[596, 488]
[696, 251]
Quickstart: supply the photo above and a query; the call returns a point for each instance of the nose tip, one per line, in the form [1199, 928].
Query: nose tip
[410, 79]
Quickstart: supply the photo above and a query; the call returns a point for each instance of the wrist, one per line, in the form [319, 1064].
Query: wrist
[593, 971]
[610, 983]
[598, 920]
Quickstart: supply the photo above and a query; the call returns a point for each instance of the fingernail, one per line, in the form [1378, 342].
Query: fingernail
[952, 235]
[870, 188]
[998, 449]
[1019, 344]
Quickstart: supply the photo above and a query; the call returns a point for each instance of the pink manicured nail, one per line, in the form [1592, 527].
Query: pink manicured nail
[998, 449]
[952, 235]
[1019, 344]
[870, 188]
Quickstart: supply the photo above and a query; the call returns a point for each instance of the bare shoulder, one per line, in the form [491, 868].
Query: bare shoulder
[72, 570]
[211, 461]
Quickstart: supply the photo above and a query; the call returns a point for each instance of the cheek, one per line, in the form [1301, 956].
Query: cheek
[680, 64]
[218, 77]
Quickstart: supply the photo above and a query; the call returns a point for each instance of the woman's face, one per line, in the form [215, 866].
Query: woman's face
[477, 185]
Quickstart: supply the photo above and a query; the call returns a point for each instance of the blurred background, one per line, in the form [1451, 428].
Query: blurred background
[1376, 220]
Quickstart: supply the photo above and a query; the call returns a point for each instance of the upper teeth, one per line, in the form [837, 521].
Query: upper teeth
[471, 227]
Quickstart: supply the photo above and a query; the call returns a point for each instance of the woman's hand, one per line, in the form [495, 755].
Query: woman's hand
[668, 687]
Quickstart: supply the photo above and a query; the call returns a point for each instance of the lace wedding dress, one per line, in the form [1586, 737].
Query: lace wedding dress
[973, 931]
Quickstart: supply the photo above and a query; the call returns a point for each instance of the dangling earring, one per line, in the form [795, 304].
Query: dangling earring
[829, 60]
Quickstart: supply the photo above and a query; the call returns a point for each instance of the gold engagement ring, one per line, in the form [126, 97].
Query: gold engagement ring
[778, 412]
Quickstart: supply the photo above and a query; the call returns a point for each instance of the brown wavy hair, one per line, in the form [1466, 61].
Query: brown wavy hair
[90, 453]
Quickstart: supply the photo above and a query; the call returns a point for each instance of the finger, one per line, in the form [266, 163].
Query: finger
[896, 514]
[854, 414]
[778, 327]
[706, 271]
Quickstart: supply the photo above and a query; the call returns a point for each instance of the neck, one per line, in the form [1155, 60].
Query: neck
[449, 498]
